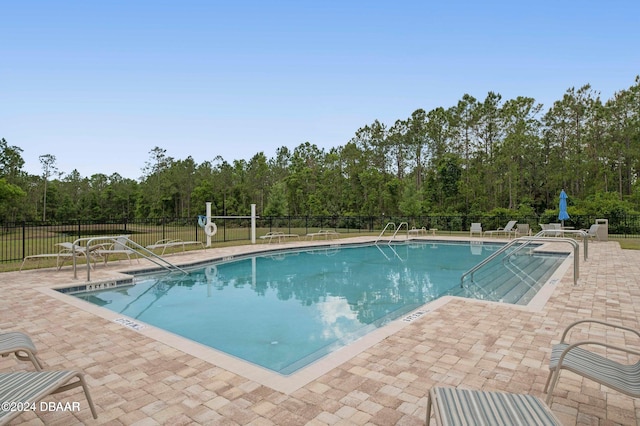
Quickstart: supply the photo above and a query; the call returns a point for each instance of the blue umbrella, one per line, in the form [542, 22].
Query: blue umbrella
[563, 215]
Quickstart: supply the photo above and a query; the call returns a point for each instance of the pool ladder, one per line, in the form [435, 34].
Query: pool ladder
[393, 225]
[133, 246]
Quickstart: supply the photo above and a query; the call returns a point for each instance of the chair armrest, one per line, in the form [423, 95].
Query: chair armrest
[590, 320]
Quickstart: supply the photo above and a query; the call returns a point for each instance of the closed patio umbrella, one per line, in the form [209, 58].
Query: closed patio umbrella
[562, 214]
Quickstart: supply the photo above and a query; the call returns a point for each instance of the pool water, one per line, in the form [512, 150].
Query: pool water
[284, 310]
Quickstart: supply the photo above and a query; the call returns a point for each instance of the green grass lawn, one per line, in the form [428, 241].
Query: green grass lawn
[628, 243]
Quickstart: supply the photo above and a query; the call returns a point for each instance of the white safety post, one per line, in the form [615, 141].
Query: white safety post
[253, 223]
[208, 222]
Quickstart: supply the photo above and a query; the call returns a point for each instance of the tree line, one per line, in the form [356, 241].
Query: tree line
[476, 157]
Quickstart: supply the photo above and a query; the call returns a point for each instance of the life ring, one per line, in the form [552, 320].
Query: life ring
[210, 229]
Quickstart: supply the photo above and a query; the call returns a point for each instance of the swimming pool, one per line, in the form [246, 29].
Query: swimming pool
[283, 310]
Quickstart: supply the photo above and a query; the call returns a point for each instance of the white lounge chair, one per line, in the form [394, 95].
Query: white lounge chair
[507, 230]
[277, 235]
[65, 253]
[168, 243]
[119, 246]
[476, 228]
[324, 233]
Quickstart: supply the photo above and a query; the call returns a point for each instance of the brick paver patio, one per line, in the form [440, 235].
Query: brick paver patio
[137, 380]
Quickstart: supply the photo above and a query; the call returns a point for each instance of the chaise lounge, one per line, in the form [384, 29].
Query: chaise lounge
[27, 388]
[119, 246]
[507, 230]
[19, 344]
[454, 407]
[169, 243]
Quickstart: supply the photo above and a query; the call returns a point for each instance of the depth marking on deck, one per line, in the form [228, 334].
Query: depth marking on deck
[128, 323]
[414, 316]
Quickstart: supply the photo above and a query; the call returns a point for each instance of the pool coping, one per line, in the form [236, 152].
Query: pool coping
[289, 383]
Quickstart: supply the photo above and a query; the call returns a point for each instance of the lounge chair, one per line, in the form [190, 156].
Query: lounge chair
[610, 372]
[27, 388]
[453, 406]
[65, 253]
[168, 243]
[476, 228]
[15, 342]
[277, 235]
[507, 230]
[324, 233]
[119, 246]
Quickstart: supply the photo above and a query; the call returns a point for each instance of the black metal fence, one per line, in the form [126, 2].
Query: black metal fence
[21, 239]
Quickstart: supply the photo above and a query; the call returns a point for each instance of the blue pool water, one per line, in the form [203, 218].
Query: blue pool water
[284, 310]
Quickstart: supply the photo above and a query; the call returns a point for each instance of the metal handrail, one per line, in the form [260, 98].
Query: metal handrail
[576, 259]
[151, 256]
[486, 260]
[384, 230]
[398, 229]
[579, 232]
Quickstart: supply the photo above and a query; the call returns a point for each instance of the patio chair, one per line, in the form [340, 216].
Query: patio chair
[26, 388]
[610, 372]
[507, 230]
[119, 246]
[453, 406]
[592, 232]
[476, 228]
[523, 229]
[19, 344]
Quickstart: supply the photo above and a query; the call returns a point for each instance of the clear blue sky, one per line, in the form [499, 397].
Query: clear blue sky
[99, 84]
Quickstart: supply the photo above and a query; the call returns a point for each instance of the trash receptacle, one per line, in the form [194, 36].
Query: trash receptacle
[602, 234]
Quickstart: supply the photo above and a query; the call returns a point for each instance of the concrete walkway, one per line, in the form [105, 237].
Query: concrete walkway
[136, 379]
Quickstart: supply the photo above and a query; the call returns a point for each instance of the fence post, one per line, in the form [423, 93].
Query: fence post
[24, 239]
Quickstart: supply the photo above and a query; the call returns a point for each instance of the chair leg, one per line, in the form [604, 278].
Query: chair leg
[556, 375]
[428, 408]
[88, 396]
[546, 385]
[80, 382]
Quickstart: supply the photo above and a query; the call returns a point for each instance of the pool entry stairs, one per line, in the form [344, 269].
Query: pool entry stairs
[513, 274]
